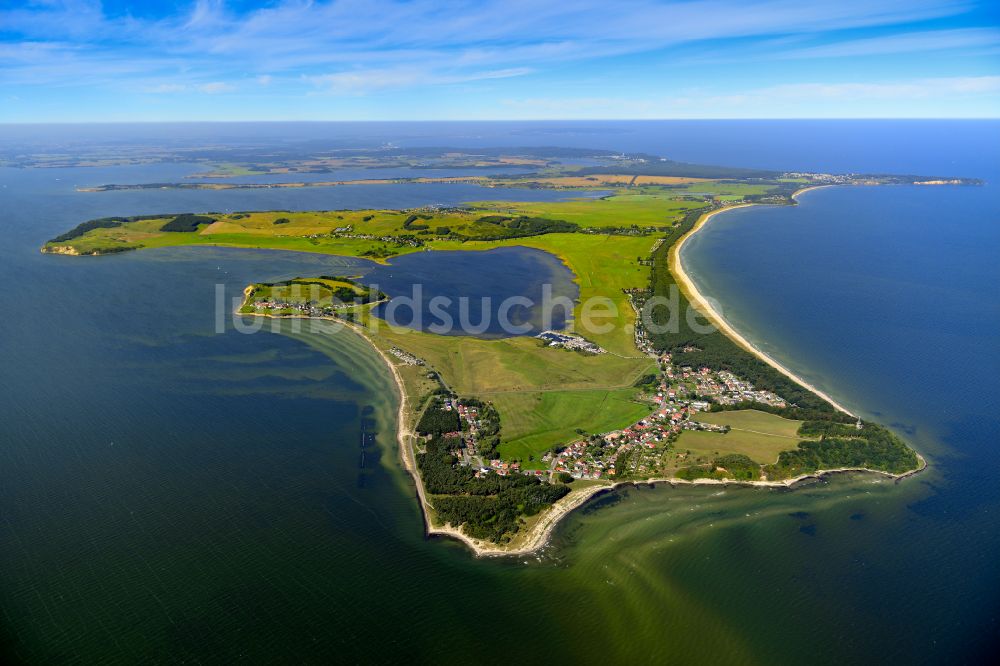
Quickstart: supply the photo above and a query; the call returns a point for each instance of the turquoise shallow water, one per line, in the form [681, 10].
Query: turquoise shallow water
[169, 493]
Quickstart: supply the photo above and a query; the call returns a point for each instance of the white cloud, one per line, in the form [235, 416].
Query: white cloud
[363, 81]
[164, 88]
[931, 40]
[582, 107]
[210, 88]
[302, 39]
[355, 48]
[216, 87]
[913, 89]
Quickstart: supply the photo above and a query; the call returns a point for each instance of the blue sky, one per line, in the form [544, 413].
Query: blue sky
[87, 60]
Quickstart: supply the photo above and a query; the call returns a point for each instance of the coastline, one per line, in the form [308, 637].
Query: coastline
[540, 532]
[701, 303]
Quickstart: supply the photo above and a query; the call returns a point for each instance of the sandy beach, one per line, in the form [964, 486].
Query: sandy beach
[540, 533]
[698, 300]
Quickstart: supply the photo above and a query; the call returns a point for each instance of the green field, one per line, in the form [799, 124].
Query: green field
[147, 234]
[578, 391]
[723, 189]
[229, 169]
[536, 421]
[657, 208]
[758, 435]
[473, 366]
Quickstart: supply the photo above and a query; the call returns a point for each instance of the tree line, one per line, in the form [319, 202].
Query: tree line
[488, 507]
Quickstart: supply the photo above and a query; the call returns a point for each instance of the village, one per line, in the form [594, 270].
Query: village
[291, 307]
[479, 436]
[405, 240]
[676, 396]
[637, 451]
[405, 357]
[311, 300]
[569, 341]
[310, 308]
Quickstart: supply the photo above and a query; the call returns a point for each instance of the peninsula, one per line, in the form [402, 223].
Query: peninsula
[505, 437]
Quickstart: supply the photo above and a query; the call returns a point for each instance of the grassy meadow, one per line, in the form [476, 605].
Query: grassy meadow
[757, 435]
[537, 419]
[658, 208]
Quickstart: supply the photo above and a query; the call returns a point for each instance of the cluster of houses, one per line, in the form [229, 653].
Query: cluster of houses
[469, 417]
[631, 158]
[471, 423]
[310, 308]
[680, 393]
[723, 387]
[604, 456]
[636, 298]
[570, 341]
[406, 357]
[633, 230]
[306, 308]
[503, 468]
[708, 427]
[638, 449]
[824, 178]
[578, 461]
[635, 451]
[395, 240]
[677, 395]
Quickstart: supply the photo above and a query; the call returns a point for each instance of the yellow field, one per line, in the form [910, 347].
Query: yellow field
[659, 209]
[758, 435]
[324, 222]
[596, 180]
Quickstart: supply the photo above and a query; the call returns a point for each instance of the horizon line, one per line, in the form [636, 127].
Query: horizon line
[4, 123]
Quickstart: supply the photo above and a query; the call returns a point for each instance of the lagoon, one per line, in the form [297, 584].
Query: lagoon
[477, 293]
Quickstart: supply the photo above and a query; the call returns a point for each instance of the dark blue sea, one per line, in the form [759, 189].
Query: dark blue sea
[169, 493]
